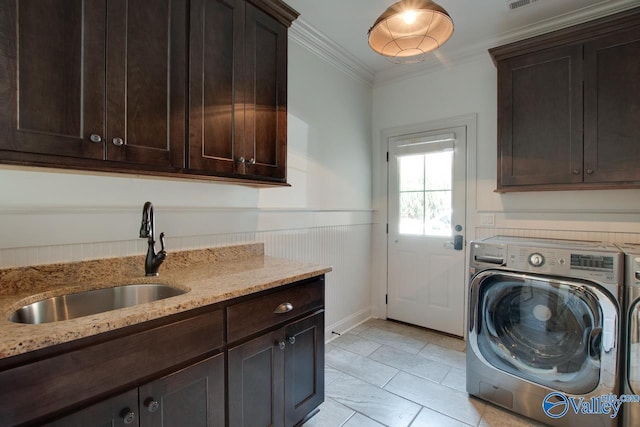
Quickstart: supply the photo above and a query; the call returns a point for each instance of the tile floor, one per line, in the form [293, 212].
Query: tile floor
[385, 373]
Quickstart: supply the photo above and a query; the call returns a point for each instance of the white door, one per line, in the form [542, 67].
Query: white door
[426, 201]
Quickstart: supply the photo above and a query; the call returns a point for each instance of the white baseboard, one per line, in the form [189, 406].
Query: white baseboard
[346, 324]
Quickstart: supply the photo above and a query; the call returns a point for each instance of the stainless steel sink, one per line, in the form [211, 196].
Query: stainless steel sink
[80, 304]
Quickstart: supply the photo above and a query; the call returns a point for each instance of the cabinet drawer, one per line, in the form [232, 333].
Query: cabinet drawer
[263, 312]
[79, 375]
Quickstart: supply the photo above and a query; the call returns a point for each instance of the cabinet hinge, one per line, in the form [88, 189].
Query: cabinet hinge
[387, 228]
[387, 156]
[386, 298]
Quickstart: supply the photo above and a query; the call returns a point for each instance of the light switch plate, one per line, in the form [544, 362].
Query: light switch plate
[488, 219]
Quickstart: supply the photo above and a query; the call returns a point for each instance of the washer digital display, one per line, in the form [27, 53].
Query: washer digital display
[592, 262]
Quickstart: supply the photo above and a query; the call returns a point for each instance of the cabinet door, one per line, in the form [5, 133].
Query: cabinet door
[146, 82]
[612, 108]
[216, 115]
[193, 396]
[265, 144]
[118, 411]
[256, 382]
[304, 368]
[540, 118]
[52, 94]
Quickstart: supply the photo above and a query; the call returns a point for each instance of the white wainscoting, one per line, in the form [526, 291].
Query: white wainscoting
[340, 239]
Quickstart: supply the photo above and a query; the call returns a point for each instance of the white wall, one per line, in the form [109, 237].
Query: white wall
[470, 87]
[324, 217]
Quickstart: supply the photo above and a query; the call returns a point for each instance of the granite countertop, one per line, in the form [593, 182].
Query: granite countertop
[209, 276]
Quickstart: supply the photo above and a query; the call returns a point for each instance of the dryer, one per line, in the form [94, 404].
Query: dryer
[544, 328]
[631, 359]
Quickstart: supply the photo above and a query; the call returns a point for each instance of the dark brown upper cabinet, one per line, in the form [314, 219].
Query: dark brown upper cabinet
[238, 90]
[216, 119]
[540, 134]
[569, 108]
[612, 108]
[182, 88]
[95, 85]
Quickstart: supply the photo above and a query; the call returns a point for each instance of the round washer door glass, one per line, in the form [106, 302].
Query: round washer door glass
[633, 348]
[541, 330]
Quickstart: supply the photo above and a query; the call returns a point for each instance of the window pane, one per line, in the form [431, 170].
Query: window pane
[411, 212]
[438, 170]
[437, 220]
[411, 173]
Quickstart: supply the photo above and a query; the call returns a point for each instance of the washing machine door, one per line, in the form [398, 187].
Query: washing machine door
[542, 329]
[633, 348]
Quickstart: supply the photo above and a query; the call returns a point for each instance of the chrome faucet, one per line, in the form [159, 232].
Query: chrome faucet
[148, 230]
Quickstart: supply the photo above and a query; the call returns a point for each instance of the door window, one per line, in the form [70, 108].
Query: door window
[546, 332]
[425, 193]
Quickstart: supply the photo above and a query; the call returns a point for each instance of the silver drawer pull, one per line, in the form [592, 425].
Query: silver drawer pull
[283, 308]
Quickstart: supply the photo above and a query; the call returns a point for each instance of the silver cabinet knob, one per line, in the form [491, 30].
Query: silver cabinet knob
[128, 416]
[252, 161]
[575, 172]
[118, 141]
[152, 405]
[240, 160]
[590, 171]
[95, 138]
[282, 345]
[292, 340]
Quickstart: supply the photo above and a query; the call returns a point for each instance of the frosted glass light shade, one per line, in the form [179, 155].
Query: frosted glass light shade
[409, 29]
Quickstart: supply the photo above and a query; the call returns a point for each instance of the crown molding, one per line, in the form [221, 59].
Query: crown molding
[579, 16]
[316, 42]
[312, 39]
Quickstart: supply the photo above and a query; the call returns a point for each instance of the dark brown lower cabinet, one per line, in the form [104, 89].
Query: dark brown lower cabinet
[304, 368]
[180, 371]
[193, 396]
[113, 412]
[277, 379]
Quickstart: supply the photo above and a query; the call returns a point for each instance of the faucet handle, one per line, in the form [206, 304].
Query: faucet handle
[162, 245]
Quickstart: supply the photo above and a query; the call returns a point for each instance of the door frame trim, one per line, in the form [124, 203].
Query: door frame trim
[379, 254]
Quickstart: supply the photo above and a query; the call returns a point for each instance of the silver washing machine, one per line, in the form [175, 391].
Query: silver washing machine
[631, 360]
[544, 328]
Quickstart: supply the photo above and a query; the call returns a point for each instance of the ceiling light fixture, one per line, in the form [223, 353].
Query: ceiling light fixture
[409, 29]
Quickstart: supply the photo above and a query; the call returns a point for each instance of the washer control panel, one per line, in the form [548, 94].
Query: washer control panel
[585, 260]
